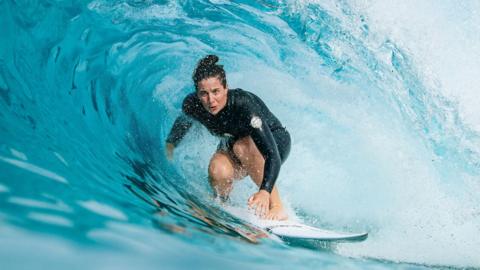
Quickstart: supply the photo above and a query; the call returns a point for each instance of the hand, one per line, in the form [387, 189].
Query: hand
[169, 150]
[260, 201]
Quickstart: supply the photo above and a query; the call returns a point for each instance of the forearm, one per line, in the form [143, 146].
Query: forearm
[180, 127]
[270, 173]
[266, 144]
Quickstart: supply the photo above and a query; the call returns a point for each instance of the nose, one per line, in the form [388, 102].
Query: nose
[210, 98]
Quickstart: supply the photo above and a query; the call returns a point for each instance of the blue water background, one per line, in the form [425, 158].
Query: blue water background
[90, 89]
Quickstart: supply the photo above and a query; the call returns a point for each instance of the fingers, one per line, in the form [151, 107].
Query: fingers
[169, 151]
[257, 205]
[260, 202]
[261, 209]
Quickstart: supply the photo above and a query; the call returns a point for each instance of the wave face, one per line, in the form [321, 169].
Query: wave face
[380, 99]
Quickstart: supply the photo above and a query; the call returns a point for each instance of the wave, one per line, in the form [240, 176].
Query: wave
[383, 139]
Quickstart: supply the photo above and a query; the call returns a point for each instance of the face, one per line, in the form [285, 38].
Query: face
[212, 95]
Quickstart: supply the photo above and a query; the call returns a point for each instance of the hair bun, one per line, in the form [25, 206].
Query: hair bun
[208, 61]
[206, 68]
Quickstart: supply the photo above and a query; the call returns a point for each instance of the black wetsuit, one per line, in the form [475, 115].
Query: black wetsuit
[245, 114]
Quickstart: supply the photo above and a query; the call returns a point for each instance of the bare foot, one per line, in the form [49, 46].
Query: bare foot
[277, 213]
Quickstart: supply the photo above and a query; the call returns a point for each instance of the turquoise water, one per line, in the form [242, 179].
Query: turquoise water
[380, 99]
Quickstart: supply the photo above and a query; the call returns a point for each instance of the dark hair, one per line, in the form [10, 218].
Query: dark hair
[207, 68]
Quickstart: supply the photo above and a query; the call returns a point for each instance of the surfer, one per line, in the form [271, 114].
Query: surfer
[252, 140]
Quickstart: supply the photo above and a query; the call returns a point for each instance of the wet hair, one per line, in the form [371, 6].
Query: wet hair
[207, 68]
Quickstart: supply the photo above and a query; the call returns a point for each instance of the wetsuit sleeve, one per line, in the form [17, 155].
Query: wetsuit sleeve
[182, 124]
[263, 138]
[265, 142]
[180, 127]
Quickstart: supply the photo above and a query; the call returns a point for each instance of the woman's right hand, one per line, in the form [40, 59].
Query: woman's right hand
[169, 150]
[260, 201]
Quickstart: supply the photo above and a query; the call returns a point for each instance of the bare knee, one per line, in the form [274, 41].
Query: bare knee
[220, 169]
[221, 174]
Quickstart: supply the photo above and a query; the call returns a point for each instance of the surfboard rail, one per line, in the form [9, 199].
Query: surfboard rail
[299, 231]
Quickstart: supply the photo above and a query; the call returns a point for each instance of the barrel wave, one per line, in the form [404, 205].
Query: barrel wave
[380, 100]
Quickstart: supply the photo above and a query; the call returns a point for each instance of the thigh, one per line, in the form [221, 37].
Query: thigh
[228, 157]
[247, 146]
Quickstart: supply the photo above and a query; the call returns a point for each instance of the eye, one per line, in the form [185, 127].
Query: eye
[202, 93]
[215, 91]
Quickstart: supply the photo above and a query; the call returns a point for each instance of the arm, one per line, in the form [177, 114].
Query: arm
[180, 127]
[263, 138]
[266, 201]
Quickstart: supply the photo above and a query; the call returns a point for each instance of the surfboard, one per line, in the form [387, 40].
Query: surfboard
[294, 230]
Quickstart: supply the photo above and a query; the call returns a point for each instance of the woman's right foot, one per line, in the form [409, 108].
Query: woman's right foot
[277, 213]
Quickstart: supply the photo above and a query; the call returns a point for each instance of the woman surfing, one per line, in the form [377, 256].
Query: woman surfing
[253, 141]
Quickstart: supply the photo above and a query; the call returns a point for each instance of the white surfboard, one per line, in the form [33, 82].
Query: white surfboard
[295, 230]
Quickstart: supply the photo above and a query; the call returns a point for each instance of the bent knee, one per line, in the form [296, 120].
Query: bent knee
[220, 168]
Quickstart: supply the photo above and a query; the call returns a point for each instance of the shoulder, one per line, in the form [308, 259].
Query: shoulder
[248, 102]
[190, 103]
[242, 97]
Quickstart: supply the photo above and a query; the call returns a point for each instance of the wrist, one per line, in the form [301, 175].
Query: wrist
[264, 191]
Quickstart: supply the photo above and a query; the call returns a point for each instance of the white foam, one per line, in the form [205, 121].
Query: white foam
[361, 164]
[443, 38]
